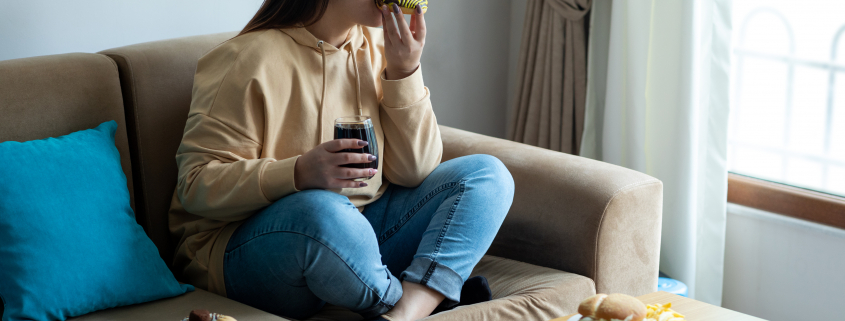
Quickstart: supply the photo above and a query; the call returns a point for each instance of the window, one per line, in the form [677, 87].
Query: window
[787, 121]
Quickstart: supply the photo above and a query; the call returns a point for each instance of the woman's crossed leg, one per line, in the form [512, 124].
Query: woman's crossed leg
[314, 246]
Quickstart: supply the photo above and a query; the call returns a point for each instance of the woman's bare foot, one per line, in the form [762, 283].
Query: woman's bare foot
[417, 302]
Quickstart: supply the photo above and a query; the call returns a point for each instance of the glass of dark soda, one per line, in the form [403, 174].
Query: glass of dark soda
[358, 127]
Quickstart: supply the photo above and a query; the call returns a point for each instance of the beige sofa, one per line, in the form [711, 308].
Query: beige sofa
[576, 226]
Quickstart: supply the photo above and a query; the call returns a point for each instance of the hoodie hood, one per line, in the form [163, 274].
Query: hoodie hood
[354, 41]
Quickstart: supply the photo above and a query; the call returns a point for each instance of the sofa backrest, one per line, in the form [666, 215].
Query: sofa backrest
[156, 79]
[50, 96]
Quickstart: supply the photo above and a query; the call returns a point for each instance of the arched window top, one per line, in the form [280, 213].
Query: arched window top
[838, 45]
[769, 31]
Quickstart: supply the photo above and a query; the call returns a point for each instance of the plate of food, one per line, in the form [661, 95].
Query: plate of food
[621, 307]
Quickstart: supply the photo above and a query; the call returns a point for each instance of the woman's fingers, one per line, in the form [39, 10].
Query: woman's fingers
[384, 27]
[390, 26]
[321, 166]
[404, 30]
[353, 173]
[419, 25]
[349, 184]
[334, 146]
[402, 51]
[413, 24]
[351, 158]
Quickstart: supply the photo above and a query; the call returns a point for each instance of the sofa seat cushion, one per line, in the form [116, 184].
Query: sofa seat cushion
[521, 291]
[176, 308]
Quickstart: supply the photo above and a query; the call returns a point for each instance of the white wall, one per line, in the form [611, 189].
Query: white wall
[45, 27]
[783, 269]
[465, 63]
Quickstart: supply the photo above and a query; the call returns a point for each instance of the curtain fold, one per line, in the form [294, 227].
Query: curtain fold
[658, 103]
[552, 79]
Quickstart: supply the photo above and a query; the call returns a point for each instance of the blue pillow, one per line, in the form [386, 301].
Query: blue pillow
[69, 243]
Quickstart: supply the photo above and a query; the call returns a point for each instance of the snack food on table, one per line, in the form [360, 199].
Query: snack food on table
[204, 315]
[657, 312]
[621, 307]
[617, 306]
[407, 6]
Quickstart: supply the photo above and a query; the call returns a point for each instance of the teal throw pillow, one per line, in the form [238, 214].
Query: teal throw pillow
[69, 243]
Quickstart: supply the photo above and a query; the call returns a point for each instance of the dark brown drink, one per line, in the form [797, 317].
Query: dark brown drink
[358, 127]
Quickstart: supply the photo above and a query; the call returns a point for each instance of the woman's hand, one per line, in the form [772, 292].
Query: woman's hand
[320, 167]
[403, 45]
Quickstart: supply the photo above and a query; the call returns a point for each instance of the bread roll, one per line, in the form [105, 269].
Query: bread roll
[407, 6]
[616, 306]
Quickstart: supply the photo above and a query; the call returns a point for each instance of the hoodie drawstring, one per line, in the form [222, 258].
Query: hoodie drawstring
[323, 97]
[357, 82]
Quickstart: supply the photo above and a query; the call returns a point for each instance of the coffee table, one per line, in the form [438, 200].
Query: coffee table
[693, 310]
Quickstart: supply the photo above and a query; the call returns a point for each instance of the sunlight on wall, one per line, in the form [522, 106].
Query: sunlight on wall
[783, 269]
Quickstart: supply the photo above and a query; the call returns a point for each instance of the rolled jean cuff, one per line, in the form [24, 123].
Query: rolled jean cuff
[435, 276]
[391, 296]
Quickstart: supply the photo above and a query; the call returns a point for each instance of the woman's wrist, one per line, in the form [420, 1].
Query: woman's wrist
[297, 175]
[394, 73]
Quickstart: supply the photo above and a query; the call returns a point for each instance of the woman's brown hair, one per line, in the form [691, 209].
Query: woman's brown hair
[278, 14]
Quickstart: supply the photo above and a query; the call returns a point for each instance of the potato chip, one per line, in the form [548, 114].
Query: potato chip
[657, 312]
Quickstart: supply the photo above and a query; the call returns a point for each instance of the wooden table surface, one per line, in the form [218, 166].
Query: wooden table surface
[693, 310]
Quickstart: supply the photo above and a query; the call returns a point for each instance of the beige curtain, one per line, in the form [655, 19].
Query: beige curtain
[552, 81]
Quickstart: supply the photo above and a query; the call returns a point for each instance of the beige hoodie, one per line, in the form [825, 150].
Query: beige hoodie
[257, 106]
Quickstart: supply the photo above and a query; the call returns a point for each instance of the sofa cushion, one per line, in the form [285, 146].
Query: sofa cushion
[174, 309]
[70, 243]
[521, 291]
[54, 95]
[156, 79]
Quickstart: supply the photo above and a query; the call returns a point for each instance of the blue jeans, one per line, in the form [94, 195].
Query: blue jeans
[314, 247]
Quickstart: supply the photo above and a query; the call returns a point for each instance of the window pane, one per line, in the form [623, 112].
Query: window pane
[787, 121]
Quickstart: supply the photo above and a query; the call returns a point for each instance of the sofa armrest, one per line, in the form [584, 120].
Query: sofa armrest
[574, 214]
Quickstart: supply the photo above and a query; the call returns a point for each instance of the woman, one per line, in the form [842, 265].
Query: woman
[264, 211]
